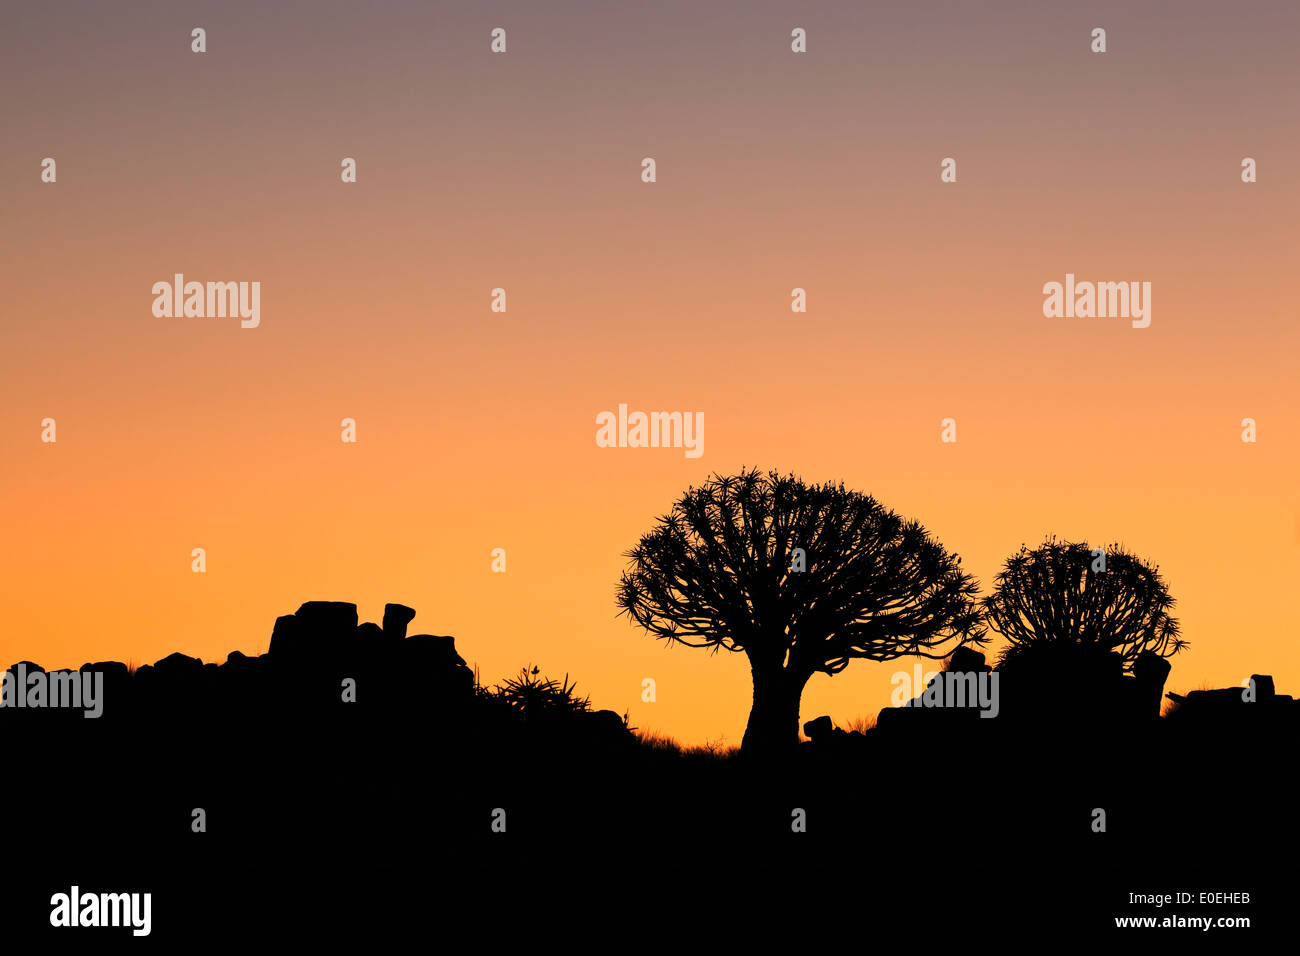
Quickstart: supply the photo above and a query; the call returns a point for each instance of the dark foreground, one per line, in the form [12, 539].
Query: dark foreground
[426, 811]
[347, 838]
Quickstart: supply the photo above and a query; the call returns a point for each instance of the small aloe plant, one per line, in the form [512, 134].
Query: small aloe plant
[533, 695]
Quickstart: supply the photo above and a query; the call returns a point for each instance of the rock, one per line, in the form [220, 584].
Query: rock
[287, 638]
[117, 683]
[430, 666]
[827, 740]
[396, 617]
[1146, 688]
[335, 618]
[1151, 669]
[1264, 691]
[178, 665]
[965, 659]
[819, 729]
[110, 669]
[608, 727]
[325, 634]
[431, 650]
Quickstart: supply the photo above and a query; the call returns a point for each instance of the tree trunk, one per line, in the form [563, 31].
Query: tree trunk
[773, 726]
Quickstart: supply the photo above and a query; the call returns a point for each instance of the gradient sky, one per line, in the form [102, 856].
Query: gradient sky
[522, 171]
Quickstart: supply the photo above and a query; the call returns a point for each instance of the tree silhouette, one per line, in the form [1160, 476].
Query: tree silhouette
[721, 571]
[1059, 595]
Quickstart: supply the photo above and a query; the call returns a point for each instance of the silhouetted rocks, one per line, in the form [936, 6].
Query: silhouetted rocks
[1143, 692]
[396, 618]
[112, 670]
[819, 729]
[967, 659]
[608, 723]
[313, 652]
[950, 699]
[1222, 700]
[1263, 684]
[328, 617]
[432, 650]
[605, 730]
[317, 631]
[442, 674]
[828, 741]
[288, 639]
[1080, 684]
[116, 677]
[1237, 706]
[179, 667]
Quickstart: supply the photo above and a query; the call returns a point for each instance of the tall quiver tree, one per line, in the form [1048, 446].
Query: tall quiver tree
[1068, 596]
[800, 578]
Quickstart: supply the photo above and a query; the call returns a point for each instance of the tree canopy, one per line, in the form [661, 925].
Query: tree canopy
[1069, 594]
[801, 578]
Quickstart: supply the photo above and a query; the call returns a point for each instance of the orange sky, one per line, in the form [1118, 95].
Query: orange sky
[522, 171]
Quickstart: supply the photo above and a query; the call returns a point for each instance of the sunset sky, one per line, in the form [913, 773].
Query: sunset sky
[522, 170]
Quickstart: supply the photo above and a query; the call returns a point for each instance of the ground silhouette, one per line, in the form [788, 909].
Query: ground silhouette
[325, 815]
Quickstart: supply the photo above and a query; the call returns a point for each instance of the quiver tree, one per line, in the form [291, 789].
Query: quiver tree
[1061, 596]
[800, 578]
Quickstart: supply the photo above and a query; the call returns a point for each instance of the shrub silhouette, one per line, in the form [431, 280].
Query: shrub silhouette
[1057, 601]
[717, 572]
[533, 696]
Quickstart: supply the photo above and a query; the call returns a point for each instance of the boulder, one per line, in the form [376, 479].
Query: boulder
[437, 651]
[335, 618]
[819, 730]
[1146, 688]
[326, 633]
[966, 659]
[115, 668]
[287, 638]
[430, 666]
[178, 665]
[117, 681]
[826, 738]
[607, 727]
[396, 617]
[1264, 691]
